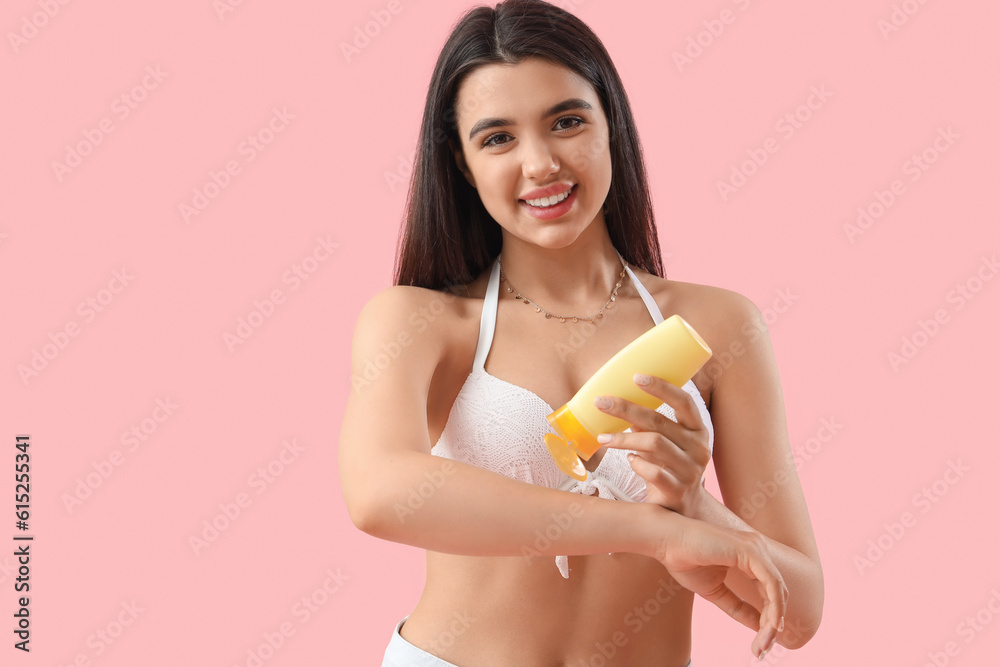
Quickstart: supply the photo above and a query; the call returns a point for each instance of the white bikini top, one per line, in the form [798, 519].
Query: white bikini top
[500, 426]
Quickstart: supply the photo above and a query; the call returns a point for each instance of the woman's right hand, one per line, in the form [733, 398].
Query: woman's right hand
[699, 555]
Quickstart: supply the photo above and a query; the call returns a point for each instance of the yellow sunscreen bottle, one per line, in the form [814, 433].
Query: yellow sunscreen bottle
[671, 350]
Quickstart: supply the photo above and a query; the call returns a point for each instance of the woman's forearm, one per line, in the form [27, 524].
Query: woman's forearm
[453, 507]
[802, 575]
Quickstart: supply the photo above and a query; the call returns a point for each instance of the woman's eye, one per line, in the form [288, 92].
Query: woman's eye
[489, 141]
[576, 121]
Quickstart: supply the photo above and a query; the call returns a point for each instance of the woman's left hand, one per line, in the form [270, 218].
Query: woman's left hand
[670, 456]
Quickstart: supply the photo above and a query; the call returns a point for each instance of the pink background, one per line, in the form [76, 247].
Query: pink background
[324, 176]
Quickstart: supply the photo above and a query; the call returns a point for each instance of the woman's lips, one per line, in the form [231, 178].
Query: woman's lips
[550, 212]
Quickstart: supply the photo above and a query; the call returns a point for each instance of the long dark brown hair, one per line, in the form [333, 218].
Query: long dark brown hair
[449, 238]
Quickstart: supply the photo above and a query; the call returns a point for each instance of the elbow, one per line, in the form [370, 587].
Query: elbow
[363, 519]
[372, 515]
[803, 626]
[366, 514]
[377, 506]
[798, 632]
[367, 503]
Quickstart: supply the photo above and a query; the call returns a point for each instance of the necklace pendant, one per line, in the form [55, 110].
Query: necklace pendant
[562, 318]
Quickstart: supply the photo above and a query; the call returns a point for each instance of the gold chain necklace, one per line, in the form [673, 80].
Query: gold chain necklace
[562, 318]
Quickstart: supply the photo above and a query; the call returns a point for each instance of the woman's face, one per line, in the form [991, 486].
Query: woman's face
[528, 127]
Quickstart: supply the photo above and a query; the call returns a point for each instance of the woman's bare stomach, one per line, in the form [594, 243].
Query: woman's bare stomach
[623, 609]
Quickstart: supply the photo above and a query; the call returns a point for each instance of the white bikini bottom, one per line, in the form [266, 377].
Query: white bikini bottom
[401, 653]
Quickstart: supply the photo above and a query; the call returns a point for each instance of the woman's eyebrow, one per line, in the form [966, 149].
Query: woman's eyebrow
[566, 105]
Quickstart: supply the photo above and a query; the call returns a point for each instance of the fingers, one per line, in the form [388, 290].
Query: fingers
[678, 431]
[654, 473]
[775, 598]
[640, 417]
[709, 548]
[766, 634]
[677, 398]
[686, 458]
[725, 599]
[664, 486]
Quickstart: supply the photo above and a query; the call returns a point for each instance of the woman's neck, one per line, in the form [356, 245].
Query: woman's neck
[575, 279]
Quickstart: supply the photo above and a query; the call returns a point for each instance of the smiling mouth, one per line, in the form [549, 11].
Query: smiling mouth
[546, 202]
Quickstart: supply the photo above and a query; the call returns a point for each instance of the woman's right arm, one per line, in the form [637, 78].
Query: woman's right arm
[397, 490]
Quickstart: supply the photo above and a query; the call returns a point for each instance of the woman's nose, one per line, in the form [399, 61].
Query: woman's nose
[539, 160]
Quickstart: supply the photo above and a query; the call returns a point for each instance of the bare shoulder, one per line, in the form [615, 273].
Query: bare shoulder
[714, 312]
[403, 316]
[726, 319]
[429, 326]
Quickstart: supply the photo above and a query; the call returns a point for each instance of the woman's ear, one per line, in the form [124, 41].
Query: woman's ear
[460, 161]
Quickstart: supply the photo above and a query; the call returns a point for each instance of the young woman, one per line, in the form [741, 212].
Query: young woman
[530, 190]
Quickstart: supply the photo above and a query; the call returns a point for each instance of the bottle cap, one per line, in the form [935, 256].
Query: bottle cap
[572, 442]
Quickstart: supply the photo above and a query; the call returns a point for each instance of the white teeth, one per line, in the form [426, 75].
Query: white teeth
[548, 201]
